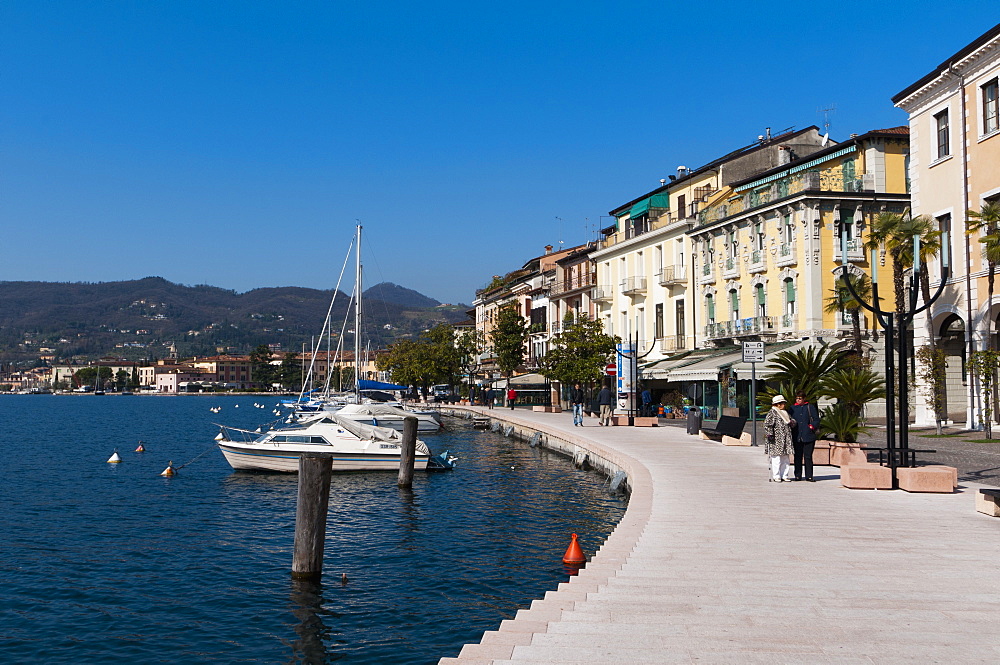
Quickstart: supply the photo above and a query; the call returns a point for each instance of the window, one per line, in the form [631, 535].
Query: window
[990, 119]
[658, 321]
[734, 304]
[679, 319]
[710, 308]
[761, 300]
[758, 235]
[680, 206]
[788, 231]
[941, 127]
[789, 296]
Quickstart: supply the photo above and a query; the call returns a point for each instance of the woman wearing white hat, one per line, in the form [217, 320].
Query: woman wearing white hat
[778, 428]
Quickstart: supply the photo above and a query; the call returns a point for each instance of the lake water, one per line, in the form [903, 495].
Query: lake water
[113, 563]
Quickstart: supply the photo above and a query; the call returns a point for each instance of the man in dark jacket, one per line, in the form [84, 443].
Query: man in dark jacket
[605, 399]
[806, 417]
[576, 398]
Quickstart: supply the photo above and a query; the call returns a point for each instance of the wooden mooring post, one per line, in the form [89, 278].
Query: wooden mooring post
[315, 472]
[407, 452]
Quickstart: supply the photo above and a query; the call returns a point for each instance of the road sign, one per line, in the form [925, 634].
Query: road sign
[611, 369]
[753, 352]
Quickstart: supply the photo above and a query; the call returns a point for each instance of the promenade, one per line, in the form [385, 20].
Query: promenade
[713, 564]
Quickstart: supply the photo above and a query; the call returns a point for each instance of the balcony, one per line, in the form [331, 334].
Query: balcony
[578, 282]
[633, 286]
[732, 268]
[787, 321]
[855, 250]
[707, 273]
[603, 293]
[787, 256]
[755, 325]
[668, 275]
[672, 343]
[538, 328]
[757, 261]
[555, 327]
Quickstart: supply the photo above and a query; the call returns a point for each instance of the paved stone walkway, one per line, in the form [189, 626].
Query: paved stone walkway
[713, 564]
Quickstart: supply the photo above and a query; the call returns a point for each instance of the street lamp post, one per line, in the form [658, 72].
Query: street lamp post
[898, 452]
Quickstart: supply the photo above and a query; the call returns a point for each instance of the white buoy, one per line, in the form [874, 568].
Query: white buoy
[170, 470]
[220, 437]
[237, 406]
[115, 459]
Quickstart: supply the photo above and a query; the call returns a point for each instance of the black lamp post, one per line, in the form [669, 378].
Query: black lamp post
[634, 373]
[898, 452]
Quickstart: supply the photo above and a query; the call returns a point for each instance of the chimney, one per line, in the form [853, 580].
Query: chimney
[682, 171]
[548, 249]
[784, 155]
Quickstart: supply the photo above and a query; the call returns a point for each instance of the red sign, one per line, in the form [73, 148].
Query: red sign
[611, 369]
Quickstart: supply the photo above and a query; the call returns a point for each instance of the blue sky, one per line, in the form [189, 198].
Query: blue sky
[236, 143]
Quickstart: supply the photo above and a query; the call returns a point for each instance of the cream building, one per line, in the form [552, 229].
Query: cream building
[955, 167]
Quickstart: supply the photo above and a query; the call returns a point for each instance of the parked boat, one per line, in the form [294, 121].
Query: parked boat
[354, 446]
[384, 415]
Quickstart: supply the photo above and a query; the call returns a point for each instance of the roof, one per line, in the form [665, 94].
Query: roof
[893, 132]
[756, 145]
[987, 36]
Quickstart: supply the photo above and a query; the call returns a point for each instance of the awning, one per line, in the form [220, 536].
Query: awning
[660, 369]
[705, 369]
[532, 381]
[365, 384]
[654, 201]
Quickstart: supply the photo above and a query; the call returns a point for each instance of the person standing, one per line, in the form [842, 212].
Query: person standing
[647, 402]
[489, 397]
[511, 398]
[576, 398]
[806, 418]
[605, 399]
[778, 430]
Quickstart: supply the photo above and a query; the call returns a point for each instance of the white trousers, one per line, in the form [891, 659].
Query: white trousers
[779, 467]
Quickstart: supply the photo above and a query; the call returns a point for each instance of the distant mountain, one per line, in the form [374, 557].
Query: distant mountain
[400, 295]
[143, 318]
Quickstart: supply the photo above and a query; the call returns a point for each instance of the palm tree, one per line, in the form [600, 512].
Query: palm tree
[986, 221]
[842, 299]
[894, 232]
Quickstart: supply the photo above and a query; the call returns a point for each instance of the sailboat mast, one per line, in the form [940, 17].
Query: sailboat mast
[357, 323]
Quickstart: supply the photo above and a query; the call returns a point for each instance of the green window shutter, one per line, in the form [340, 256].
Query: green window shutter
[734, 300]
[711, 307]
[790, 290]
[760, 295]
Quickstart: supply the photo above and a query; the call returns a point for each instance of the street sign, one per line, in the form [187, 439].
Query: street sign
[611, 369]
[753, 352]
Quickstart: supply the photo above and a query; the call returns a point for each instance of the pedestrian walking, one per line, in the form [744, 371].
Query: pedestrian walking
[489, 397]
[577, 398]
[778, 430]
[605, 399]
[511, 398]
[806, 418]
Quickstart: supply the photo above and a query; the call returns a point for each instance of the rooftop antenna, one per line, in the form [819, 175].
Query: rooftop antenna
[826, 121]
[560, 232]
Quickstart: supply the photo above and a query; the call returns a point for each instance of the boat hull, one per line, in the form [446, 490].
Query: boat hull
[250, 457]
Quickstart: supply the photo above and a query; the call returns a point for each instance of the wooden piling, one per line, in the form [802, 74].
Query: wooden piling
[315, 472]
[407, 452]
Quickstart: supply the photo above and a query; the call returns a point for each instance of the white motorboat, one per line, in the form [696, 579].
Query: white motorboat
[354, 446]
[383, 415]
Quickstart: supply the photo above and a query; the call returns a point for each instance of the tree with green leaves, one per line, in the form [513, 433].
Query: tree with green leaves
[984, 365]
[986, 222]
[580, 352]
[263, 372]
[842, 299]
[801, 370]
[933, 365]
[470, 345]
[508, 338]
[853, 388]
[894, 233]
[289, 373]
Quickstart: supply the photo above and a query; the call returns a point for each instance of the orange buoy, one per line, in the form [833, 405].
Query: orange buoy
[170, 470]
[141, 448]
[574, 555]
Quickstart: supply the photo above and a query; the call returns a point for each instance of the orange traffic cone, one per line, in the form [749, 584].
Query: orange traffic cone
[574, 555]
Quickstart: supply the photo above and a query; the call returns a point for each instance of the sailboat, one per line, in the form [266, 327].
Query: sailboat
[356, 443]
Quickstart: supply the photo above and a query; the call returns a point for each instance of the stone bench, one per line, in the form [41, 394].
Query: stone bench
[638, 421]
[842, 454]
[821, 453]
[932, 478]
[988, 502]
[547, 409]
[745, 439]
[866, 477]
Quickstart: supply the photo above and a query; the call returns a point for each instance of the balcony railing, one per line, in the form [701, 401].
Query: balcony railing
[602, 293]
[672, 343]
[855, 250]
[732, 268]
[633, 285]
[787, 320]
[573, 283]
[741, 327]
[671, 275]
[555, 327]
